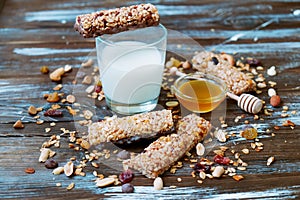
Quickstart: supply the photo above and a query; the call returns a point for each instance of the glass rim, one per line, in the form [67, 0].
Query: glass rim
[109, 43]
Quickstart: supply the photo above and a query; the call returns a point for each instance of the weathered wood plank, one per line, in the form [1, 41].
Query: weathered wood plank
[35, 33]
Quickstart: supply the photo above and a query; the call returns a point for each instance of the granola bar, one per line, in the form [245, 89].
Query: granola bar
[145, 125]
[215, 64]
[160, 155]
[116, 20]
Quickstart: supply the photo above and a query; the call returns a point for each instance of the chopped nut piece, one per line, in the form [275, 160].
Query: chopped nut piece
[271, 71]
[32, 110]
[18, 124]
[67, 68]
[58, 87]
[88, 63]
[238, 177]
[71, 186]
[58, 170]
[44, 154]
[270, 160]
[29, 170]
[200, 149]
[105, 182]
[57, 74]
[71, 98]
[288, 123]
[85, 144]
[158, 183]
[53, 97]
[245, 151]
[69, 168]
[218, 172]
[172, 104]
[271, 92]
[44, 70]
[220, 135]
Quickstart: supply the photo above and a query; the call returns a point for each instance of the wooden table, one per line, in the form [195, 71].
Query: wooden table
[40, 33]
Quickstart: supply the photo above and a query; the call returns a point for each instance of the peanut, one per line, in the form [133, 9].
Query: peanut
[57, 74]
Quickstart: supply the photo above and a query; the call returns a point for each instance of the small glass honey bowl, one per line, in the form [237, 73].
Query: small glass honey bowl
[199, 92]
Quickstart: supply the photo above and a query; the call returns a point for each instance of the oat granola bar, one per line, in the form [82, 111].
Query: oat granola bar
[160, 155]
[116, 20]
[215, 64]
[145, 125]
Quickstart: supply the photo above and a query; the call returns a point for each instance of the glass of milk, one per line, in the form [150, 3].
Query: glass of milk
[131, 68]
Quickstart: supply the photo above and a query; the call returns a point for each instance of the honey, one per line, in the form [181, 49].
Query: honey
[200, 95]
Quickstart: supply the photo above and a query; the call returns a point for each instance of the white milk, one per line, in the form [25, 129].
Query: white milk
[132, 74]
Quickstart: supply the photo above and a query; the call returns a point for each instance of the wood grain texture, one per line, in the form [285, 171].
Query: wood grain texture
[36, 33]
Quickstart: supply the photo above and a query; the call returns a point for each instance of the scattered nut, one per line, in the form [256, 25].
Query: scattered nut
[29, 170]
[32, 110]
[200, 149]
[275, 100]
[220, 135]
[58, 170]
[88, 63]
[105, 182]
[69, 168]
[71, 98]
[245, 151]
[238, 177]
[271, 71]
[71, 186]
[87, 80]
[44, 154]
[270, 160]
[53, 97]
[186, 65]
[158, 183]
[57, 74]
[18, 124]
[67, 68]
[172, 104]
[44, 70]
[218, 172]
[85, 144]
[271, 92]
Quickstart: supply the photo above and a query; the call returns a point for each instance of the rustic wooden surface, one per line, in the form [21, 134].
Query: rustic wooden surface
[36, 33]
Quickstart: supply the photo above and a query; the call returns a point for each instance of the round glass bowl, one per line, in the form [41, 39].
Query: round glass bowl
[199, 92]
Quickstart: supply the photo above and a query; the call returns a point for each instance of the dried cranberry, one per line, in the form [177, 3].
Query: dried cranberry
[204, 168]
[127, 188]
[53, 113]
[126, 176]
[221, 160]
[51, 164]
[98, 87]
[253, 62]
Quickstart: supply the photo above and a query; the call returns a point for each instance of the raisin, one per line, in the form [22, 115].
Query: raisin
[221, 160]
[126, 176]
[253, 62]
[51, 164]
[53, 113]
[127, 188]
[204, 168]
[215, 60]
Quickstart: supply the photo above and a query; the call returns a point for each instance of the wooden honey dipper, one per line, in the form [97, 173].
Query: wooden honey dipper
[247, 102]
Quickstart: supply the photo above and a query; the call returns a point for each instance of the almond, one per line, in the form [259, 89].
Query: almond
[275, 100]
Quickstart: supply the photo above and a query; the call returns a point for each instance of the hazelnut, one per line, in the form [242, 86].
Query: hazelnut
[275, 100]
